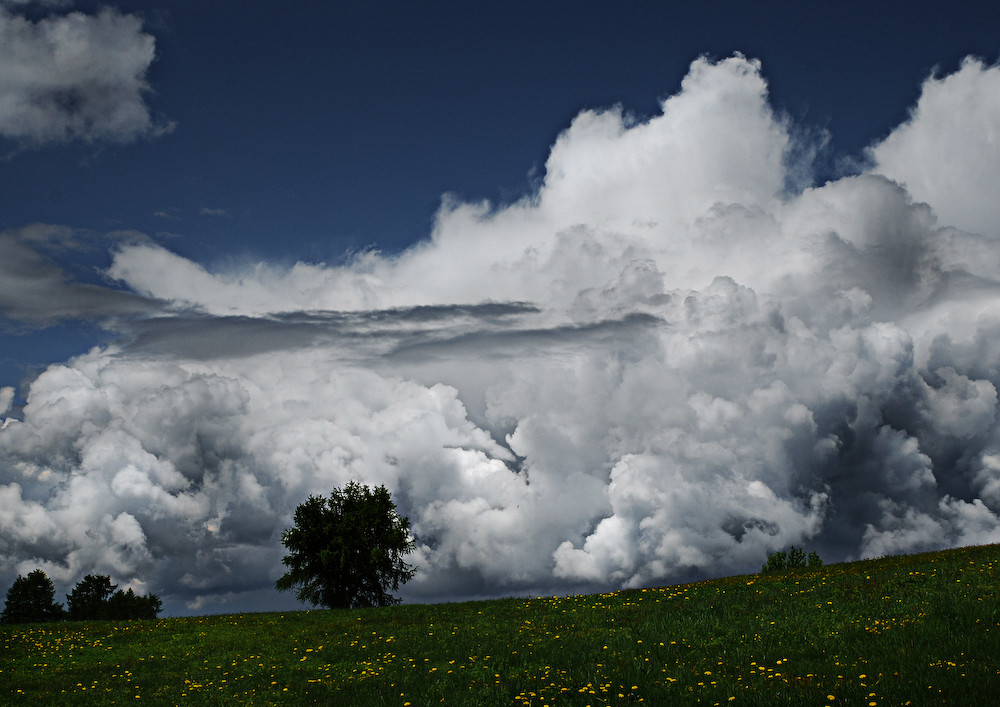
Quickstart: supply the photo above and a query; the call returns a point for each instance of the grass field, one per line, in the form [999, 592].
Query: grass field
[918, 630]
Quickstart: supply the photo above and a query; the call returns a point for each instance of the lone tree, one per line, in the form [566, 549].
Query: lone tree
[31, 599]
[347, 550]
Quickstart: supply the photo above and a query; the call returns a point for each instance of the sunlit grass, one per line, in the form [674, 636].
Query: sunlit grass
[917, 630]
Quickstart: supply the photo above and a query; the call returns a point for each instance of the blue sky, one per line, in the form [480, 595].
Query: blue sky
[454, 247]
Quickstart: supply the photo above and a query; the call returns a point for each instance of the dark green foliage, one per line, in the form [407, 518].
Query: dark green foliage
[795, 558]
[776, 562]
[95, 598]
[127, 605]
[346, 551]
[31, 599]
[89, 597]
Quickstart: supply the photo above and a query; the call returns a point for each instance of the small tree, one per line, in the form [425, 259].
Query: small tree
[796, 557]
[31, 599]
[776, 562]
[347, 550]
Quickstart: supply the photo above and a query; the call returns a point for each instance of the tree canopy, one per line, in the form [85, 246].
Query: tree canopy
[31, 599]
[346, 551]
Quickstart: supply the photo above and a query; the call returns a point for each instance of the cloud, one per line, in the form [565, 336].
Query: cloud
[946, 154]
[37, 290]
[75, 77]
[6, 399]
[663, 365]
[613, 191]
[42, 3]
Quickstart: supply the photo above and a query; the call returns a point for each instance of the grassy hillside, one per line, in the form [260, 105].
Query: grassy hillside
[919, 629]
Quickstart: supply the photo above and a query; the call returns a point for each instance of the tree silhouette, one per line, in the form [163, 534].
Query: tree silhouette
[89, 597]
[94, 598]
[31, 599]
[127, 605]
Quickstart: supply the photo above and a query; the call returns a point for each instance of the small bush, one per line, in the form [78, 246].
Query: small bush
[794, 558]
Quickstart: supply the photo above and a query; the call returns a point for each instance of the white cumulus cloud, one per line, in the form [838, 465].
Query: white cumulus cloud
[664, 364]
[947, 153]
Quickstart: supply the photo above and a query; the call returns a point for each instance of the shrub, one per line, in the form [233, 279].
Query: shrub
[794, 558]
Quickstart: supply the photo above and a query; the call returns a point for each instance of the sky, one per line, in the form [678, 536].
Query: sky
[606, 295]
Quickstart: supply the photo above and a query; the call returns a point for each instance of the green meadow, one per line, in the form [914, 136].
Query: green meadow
[909, 630]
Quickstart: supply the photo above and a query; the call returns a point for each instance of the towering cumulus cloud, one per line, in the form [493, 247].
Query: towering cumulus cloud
[663, 364]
